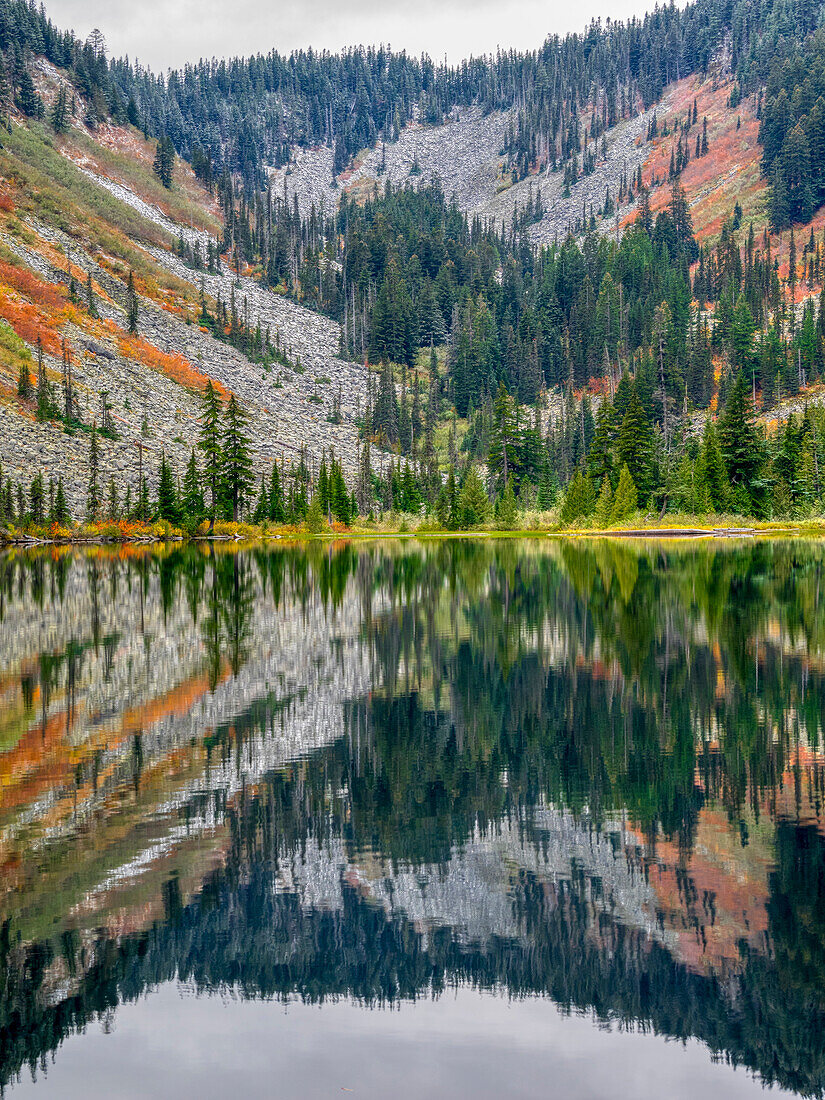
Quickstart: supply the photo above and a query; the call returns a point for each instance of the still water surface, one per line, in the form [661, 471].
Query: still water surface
[468, 819]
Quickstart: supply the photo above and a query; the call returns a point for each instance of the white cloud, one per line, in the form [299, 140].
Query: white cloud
[161, 34]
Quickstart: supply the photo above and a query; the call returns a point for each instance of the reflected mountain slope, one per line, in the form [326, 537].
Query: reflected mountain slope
[585, 771]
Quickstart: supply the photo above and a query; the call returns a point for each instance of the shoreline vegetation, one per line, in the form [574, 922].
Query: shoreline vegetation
[528, 525]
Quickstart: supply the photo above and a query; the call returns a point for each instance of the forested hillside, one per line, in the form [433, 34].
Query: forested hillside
[628, 227]
[243, 113]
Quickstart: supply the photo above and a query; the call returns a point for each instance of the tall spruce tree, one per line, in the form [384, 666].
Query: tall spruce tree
[93, 491]
[210, 444]
[236, 467]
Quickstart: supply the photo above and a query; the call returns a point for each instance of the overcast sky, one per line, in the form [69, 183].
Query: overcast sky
[163, 33]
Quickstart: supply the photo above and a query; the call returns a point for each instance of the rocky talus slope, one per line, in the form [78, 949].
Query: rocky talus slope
[466, 156]
[147, 677]
[287, 408]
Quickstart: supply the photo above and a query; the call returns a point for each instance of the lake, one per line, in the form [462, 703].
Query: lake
[471, 817]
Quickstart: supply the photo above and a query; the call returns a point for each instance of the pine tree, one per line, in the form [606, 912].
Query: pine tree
[132, 305]
[37, 499]
[28, 100]
[474, 507]
[236, 467]
[261, 513]
[93, 491]
[211, 444]
[625, 501]
[315, 520]
[504, 460]
[580, 499]
[61, 512]
[59, 111]
[24, 382]
[779, 208]
[737, 435]
[635, 445]
[604, 505]
[715, 476]
[164, 163]
[507, 508]
[322, 487]
[600, 457]
[113, 509]
[192, 505]
[167, 507]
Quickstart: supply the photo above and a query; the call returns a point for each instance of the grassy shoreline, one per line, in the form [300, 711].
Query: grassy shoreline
[535, 526]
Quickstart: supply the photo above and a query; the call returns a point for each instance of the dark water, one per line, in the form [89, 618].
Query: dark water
[469, 819]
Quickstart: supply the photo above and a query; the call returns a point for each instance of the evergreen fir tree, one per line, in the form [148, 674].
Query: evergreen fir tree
[604, 505]
[93, 491]
[474, 507]
[25, 389]
[113, 508]
[580, 499]
[132, 304]
[625, 501]
[737, 435]
[192, 505]
[61, 513]
[236, 466]
[261, 513]
[167, 508]
[315, 521]
[507, 508]
[164, 163]
[28, 100]
[635, 445]
[211, 445]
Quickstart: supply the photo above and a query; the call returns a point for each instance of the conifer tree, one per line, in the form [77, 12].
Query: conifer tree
[164, 163]
[167, 507]
[737, 435]
[715, 476]
[132, 304]
[315, 519]
[261, 513]
[24, 382]
[37, 499]
[113, 508]
[58, 113]
[600, 457]
[474, 507]
[580, 499]
[635, 445]
[604, 505]
[236, 465]
[507, 508]
[504, 459]
[61, 512]
[192, 505]
[93, 491]
[28, 100]
[211, 445]
[625, 501]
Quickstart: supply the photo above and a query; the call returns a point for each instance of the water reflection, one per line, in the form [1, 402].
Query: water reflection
[590, 772]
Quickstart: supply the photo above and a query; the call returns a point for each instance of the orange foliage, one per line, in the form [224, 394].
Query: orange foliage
[728, 173]
[27, 284]
[6, 204]
[174, 366]
[30, 322]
